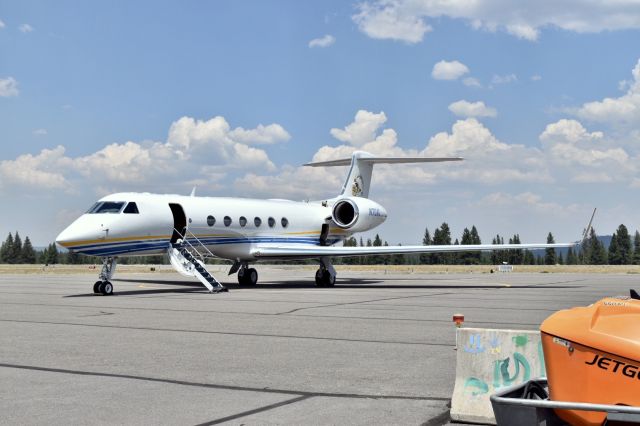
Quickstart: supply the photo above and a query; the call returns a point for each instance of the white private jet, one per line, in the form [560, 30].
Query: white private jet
[190, 229]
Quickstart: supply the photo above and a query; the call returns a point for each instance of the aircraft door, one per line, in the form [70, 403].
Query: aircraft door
[179, 222]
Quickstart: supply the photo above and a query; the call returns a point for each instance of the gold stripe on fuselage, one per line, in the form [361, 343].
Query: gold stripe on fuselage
[159, 237]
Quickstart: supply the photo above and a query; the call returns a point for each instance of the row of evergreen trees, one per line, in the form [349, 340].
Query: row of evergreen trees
[622, 250]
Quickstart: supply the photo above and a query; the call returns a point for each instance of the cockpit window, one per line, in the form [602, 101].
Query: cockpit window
[94, 207]
[131, 208]
[108, 207]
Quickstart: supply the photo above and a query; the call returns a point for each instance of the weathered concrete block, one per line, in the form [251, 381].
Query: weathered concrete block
[488, 360]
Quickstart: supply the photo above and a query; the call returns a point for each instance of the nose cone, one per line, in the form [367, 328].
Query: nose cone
[67, 237]
[79, 232]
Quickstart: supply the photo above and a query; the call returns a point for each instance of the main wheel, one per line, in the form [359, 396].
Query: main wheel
[329, 280]
[106, 288]
[251, 276]
[319, 282]
[241, 276]
[96, 287]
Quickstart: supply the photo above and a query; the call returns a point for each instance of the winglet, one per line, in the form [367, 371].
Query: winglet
[587, 230]
[193, 192]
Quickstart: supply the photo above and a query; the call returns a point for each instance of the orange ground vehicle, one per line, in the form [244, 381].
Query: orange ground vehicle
[592, 354]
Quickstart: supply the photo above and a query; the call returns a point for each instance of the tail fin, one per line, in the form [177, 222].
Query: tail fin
[358, 180]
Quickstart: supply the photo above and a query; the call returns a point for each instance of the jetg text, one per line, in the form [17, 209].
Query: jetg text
[615, 366]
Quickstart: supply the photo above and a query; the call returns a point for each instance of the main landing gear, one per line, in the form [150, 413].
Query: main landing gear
[103, 285]
[326, 274]
[247, 276]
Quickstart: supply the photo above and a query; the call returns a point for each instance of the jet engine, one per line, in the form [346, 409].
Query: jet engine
[357, 214]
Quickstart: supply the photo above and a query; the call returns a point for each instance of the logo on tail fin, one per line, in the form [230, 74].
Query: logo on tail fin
[356, 188]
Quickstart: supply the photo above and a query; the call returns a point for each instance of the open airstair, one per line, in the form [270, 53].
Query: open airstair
[189, 261]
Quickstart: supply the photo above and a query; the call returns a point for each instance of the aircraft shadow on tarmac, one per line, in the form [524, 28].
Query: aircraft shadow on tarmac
[351, 283]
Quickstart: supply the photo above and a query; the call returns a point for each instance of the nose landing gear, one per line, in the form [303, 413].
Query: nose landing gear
[103, 285]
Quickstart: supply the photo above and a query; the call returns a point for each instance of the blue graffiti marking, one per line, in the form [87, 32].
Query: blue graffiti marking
[475, 345]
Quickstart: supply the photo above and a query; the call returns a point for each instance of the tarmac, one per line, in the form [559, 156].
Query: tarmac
[375, 349]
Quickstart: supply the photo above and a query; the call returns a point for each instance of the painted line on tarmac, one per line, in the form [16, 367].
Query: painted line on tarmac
[255, 410]
[227, 333]
[306, 394]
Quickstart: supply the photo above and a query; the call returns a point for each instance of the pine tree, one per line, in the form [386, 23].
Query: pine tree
[51, 254]
[377, 259]
[442, 236]
[28, 253]
[614, 251]
[550, 254]
[571, 257]
[498, 256]
[597, 254]
[624, 245]
[73, 258]
[636, 248]
[426, 258]
[7, 249]
[515, 256]
[467, 257]
[475, 239]
[16, 249]
[529, 258]
[560, 259]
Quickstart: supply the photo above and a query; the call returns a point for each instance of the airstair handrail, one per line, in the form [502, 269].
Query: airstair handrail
[184, 239]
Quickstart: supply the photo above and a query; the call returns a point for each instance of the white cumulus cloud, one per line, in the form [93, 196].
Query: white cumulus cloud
[8, 87]
[195, 150]
[25, 28]
[471, 82]
[623, 110]
[568, 142]
[408, 20]
[504, 79]
[261, 135]
[452, 70]
[42, 171]
[464, 108]
[383, 20]
[325, 41]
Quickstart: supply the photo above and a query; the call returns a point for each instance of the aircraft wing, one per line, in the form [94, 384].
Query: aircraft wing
[301, 251]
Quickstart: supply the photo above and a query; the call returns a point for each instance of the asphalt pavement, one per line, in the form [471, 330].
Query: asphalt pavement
[375, 349]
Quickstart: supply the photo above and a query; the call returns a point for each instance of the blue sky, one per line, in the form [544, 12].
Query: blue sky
[77, 77]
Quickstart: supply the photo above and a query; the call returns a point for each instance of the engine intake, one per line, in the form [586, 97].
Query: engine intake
[345, 213]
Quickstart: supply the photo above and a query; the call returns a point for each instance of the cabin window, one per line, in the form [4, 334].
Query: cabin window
[272, 222]
[132, 208]
[211, 220]
[227, 221]
[257, 222]
[108, 207]
[284, 222]
[243, 221]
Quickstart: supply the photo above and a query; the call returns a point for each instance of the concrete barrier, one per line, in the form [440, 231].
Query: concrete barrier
[487, 360]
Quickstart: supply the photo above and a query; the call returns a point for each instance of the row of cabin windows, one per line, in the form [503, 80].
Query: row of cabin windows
[243, 221]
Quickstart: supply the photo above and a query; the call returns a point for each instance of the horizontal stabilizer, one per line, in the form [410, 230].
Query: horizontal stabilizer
[383, 160]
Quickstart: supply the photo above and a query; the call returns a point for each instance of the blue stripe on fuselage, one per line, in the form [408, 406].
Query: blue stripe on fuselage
[128, 247]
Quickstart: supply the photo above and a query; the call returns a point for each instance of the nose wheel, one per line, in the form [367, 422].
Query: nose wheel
[103, 287]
